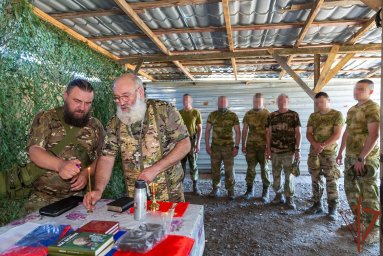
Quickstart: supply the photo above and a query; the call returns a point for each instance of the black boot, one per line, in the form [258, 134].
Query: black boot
[333, 211]
[317, 208]
[265, 194]
[249, 192]
[196, 190]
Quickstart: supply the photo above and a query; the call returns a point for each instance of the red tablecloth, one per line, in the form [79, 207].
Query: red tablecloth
[165, 206]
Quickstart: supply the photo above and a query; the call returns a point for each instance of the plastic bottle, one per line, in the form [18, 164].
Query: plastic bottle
[140, 200]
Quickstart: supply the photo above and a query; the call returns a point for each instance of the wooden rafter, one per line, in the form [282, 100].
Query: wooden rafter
[42, 15]
[141, 24]
[373, 72]
[140, 72]
[326, 4]
[373, 4]
[226, 14]
[291, 72]
[260, 53]
[316, 68]
[233, 28]
[326, 67]
[310, 19]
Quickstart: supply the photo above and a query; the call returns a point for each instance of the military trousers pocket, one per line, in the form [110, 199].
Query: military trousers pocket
[313, 162]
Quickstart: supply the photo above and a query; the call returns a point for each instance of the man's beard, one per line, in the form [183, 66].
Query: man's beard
[71, 119]
[134, 114]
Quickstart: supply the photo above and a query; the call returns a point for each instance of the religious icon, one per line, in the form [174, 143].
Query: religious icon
[153, 189]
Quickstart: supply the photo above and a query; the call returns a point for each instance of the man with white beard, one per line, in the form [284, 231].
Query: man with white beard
[152, 139]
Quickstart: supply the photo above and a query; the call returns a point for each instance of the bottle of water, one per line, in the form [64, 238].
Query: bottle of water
[140, 200]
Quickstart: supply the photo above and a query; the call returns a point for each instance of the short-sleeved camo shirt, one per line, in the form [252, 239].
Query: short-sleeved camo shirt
[358, 118]
[256, 120]
[144, 143]
[223, 123]
[47, 131]
[323, 128]
[283, 130]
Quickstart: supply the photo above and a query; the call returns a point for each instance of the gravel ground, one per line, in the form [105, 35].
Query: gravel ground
[249, 227]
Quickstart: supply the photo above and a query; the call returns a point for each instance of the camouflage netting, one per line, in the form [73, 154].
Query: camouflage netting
[36, 62]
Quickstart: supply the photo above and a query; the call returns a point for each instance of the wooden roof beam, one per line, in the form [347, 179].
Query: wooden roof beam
[141, 24]
[226, 14]
[326, 67]
[373, 72]
[291, 72]
[326, 4]
[310, 19]
[373, 4]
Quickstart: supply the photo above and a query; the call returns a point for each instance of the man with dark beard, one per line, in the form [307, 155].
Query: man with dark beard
[152, 139]
[63, 142]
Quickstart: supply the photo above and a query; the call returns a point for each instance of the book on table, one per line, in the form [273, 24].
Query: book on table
[121, 204]
[100, 226]
[82, 243]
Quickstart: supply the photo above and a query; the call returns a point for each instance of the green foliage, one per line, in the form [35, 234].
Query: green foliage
[37, 61]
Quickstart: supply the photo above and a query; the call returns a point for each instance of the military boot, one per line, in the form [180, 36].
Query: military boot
[249, 192]
[215, 192]
[333, 211]
[317, 208]
[196, 190]
[231, 194]
[265, 194]
[278, 199]
[290, 203]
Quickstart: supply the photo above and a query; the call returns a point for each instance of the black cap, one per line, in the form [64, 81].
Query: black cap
[140, 184]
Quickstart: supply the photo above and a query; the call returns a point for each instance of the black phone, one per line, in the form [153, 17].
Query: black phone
[57, 208]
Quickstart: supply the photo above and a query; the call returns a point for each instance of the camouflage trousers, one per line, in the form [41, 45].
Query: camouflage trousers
[365, 186]
[256, 156]
[192, 158]
[283, 161]
[324, 165]
[225, 154]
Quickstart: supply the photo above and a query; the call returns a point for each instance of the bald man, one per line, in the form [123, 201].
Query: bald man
[152, 139]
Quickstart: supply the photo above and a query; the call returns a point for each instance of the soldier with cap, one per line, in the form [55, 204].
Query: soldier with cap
[324, 128]
[193, 121]
[362, 156]
[222, 148]
[152, 139]
[254, 145]
[63, 142]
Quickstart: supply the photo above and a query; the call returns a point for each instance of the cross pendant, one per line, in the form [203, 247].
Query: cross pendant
[137, 156]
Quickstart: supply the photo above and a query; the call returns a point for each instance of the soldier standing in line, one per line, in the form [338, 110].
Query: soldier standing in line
[222, 148]
[254, 145]
[283, 138]
[152, 139]
[324, 128]
[193, 121]
[362, 155]
[62, 140]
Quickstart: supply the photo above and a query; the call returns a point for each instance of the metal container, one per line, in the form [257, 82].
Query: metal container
[140, 200]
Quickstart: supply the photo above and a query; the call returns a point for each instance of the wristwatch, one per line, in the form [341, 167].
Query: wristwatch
[298, 149]
[361, 159]
[237, 147]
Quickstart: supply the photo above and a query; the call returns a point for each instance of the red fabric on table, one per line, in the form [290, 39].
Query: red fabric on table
[171, 246]
[165, 206]
[26, 251]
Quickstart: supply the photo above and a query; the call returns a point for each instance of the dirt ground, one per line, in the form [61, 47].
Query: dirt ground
[249, 227]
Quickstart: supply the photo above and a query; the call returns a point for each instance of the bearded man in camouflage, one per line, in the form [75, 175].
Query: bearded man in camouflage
[222, 148]
[362, 155]
[152, 139]
[65, 171]
[324, 128]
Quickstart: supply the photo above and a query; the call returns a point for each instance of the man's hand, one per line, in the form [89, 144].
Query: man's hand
[208, 149]
[197, 148]
[339, 159]
[318, 148]
[69, 169]
[244, 150]
[297, 155]
[148, 175]
[79, 181]
[268, 153]
[235, 151]
[359, 168]
[91, 198]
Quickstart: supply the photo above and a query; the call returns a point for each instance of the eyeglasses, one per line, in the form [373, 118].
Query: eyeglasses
[124, 98]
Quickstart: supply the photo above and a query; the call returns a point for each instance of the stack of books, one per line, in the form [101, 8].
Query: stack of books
[82, 243]
[100, 227]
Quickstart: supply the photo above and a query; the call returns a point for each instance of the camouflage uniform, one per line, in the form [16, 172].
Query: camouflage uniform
[283, 148]
[325, 163]
[191, 119]
[142, 144]
[256, 144]
[46, 132]
[366, 186]
[222, 146]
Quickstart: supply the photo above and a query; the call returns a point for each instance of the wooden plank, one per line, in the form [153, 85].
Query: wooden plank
[183, 69]
[226, 14]
[373, 4]
[251, 54]
[327, 4]
[373, 72]
[291, 72]
[142, 73]
[139, 6]
[138, 66]
[316, 69]
[42, 15]
[327, 65]
[235, 71]
[365, 28]
[89, 13]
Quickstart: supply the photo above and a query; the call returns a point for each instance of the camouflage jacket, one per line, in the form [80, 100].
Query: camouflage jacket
[283, 130]
[358, 118]
[256, 120]
[323, 128]
[47, 130]
[223, 123]
[144, 143]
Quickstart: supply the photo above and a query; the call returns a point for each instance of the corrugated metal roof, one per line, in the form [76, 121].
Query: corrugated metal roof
[208, 15]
